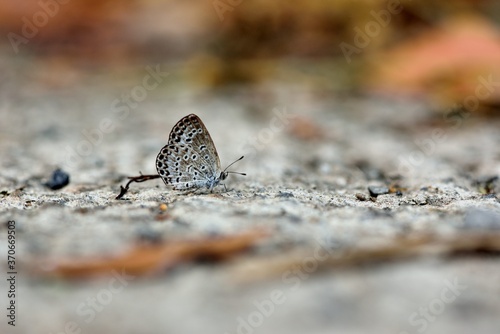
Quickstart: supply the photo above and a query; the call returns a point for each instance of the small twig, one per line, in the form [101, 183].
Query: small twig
[140, 178]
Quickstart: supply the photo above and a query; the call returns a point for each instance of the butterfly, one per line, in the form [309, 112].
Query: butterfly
[190, 160]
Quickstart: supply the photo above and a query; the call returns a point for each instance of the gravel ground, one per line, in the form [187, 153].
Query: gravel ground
[310, 157]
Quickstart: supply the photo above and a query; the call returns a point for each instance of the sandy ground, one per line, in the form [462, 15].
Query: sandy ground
[310, 157]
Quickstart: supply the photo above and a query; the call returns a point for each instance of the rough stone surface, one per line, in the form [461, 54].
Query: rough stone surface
[300, 190]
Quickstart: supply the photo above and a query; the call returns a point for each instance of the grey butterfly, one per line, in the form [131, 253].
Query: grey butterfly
[190, 160]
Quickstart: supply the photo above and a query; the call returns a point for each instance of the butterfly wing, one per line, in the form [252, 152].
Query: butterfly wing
[190, 159]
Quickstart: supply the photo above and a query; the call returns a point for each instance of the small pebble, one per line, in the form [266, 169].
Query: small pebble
[420, 199]
[60, 179]
[285, 194]
[163, 207]
[375, 191]
[361, 196]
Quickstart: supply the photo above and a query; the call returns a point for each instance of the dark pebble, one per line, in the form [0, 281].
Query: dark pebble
[60, 179]
[285, 194]
[375, 191]
[361, 197]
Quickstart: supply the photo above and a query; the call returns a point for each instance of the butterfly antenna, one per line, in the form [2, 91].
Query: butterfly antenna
[244, 174]
[224, 171]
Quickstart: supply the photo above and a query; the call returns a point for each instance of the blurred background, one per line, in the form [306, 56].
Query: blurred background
[418, 49]
[379, 91]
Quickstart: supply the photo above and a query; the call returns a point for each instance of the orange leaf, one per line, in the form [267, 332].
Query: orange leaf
[445, 62]
[150, 259]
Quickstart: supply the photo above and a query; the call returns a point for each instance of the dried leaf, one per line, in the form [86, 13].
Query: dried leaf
[444, 63]
[150, 259]
[398, 249]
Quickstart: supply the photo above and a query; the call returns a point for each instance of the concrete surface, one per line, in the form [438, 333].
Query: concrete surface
[301, 188]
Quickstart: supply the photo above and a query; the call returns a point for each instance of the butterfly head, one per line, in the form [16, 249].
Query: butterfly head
[223, 175]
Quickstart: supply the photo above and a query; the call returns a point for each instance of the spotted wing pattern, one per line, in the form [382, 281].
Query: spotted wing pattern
[190, 159]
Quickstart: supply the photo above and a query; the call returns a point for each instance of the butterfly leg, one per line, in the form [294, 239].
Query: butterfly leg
[188, 191]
